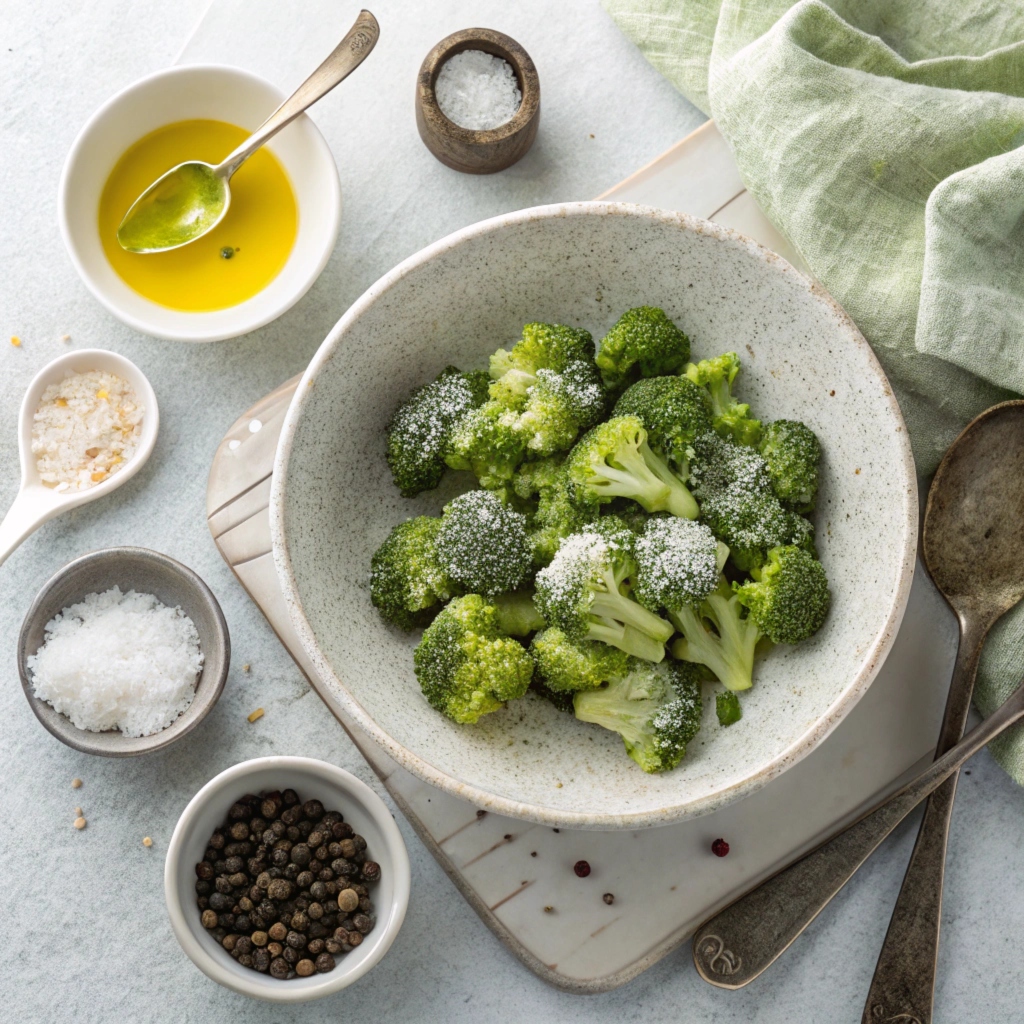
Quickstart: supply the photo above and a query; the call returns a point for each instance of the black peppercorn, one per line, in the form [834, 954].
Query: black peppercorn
[279, 858]
[245, 960]
[333, 946]
[292, 815]
[238, 849]
[296, 940]
[608, 898]
[317, 931]
[325, 875]
[240, 831]
[315, 947]
[313, 809]
[279, 968]
[304, 879]
[218, 901]
[304, 827]
[270, 809]
[354, 938]
[300, 854]
[226, 920]
[329, 921]
[360, 842]
[279, 889]
[291, 871]
[244, 944]
[204, 870]
[371, 871]
[359, 889]
[257, 825]
[289, 798]
[365, 905]
[324, 963]
[217, 841]
[202, 887]
[364, 923]
[316, 911]
[239, 812]
[290, 956]
[318, 890]
[315, 839]
[261, 960]
[274, 871]
[342, 830]
[242, 922]
[293, 833]
[321, 853]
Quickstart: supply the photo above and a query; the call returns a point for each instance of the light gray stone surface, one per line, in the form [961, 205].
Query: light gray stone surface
[87, 937]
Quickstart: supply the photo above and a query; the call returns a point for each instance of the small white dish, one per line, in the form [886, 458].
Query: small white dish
[36, 503]
[178, 94]
[337, 790]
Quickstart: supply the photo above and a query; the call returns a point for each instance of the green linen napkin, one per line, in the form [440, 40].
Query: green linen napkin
[883, 138]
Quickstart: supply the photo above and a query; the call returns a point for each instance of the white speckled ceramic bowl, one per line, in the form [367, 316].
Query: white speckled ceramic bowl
[333, 500]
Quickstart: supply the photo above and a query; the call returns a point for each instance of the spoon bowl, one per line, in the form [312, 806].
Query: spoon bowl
[181, 205]
[972, 527]
[36, 503]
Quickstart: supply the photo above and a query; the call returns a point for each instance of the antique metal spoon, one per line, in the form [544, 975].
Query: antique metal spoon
[192, 198]
[972, 547]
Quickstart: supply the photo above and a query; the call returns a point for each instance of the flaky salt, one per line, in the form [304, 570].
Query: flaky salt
[477, 90]
[118, 661]
[85, 429]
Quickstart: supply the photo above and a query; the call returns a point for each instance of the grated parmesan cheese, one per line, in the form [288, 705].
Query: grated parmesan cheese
[118, 661]
[86, 428]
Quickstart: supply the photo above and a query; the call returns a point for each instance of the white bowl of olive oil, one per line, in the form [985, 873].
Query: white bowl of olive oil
[258, 262]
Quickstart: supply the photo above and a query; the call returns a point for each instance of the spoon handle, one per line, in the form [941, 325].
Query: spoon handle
[25, 515]
[346, 57]
[733, 947]
[904, 978]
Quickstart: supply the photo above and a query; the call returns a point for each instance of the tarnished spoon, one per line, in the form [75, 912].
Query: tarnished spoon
[191, 199]
[974, 551]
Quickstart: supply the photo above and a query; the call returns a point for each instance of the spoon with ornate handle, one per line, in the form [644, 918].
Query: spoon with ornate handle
[973, 551]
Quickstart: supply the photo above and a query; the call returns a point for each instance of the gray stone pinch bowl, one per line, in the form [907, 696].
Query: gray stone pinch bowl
[147, 572]
[333, 500]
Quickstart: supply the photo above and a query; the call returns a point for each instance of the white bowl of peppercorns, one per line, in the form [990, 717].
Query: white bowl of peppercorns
[286, 879]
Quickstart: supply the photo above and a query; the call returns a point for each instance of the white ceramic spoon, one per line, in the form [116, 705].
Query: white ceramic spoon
[36, 503]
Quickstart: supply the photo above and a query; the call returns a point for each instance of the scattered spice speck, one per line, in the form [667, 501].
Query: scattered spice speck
[609, 898]
[480, 813]
[147, 842]
[720, 848]
[558, 785]
[856, 472]
[533, 853]
[80, 823]
[65, 337]
[582, 868]
[227, 252]
[78, 812]
[76, 783]
[831, 394]
[247, 667]
[256, 715]
[549, 910]
[15, 341]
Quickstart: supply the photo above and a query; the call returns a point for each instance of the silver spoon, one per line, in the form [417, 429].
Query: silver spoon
[192, 198]
[973, 551]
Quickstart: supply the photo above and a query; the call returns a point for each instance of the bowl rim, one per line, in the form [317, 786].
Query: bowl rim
[398, 866]
[872, 658]
[253, 323]
[212, 687]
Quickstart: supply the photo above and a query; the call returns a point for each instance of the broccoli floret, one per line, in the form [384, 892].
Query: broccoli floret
[517, 613]
[673, 411]
[728, 649]
[419, 433]
[407, 583]
[677, 563]
[465, 666]
[562, 701]
[486, 441]
[656, 709]
[542, 347]
[581, 593]
[727, 707]
[732, 419]
[560, 405]
[565, 666]
[644, 343]
[482, 544]
[792, 453]
[790, 597]
[560, 510]
[614, 461]
[734, 489]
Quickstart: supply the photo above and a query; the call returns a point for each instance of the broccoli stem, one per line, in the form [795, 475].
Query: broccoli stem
[646, 479]
[627, 638]
[721, 396]
[611, 603]
[730, 653]
[517, 614]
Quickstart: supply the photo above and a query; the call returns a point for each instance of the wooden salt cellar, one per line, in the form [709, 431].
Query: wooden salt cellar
[466, 149]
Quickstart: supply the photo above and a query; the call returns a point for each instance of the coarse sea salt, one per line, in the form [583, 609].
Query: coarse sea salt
[85, 429]
[118, 661]
[477, 90]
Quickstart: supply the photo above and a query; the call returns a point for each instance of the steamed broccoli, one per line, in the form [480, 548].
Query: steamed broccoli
[517, 613]
[673, 411]
[541, 347]
[732, 419]
[407, 583]
[482, 544]
[562, 701]
[560, 405]
[487, 441]
[728, 649]
[581, 593]
[613, 460]
[677, 563]
[565, 666]
[560, 510]
[419, 432]
[656, 709]
[789, 598]
[792, 453]
[465, 666]
[644, 343]
[727, 707]
[734, 489]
